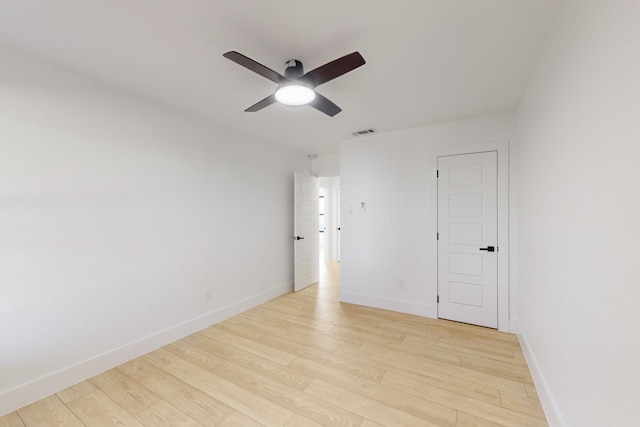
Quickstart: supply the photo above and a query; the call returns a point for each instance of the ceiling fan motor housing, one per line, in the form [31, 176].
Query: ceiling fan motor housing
[293, 69]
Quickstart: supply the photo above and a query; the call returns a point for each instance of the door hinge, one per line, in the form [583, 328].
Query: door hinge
[438, 299]
[437, 174]
[437, 236]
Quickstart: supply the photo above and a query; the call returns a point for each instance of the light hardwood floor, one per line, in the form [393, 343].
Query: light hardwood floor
[306, 359]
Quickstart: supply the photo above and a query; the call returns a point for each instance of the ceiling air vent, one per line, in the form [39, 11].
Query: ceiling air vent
[363, 132]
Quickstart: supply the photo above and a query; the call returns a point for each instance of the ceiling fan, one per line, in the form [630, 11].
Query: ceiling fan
[297, 88]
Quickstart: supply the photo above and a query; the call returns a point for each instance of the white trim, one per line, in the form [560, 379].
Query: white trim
[40, 388]
[549, 404]
[502, 149]
[425, 310]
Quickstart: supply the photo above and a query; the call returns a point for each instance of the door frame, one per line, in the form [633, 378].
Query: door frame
[501, 147]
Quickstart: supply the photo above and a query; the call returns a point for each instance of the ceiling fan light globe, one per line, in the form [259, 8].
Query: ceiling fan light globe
[295, 95]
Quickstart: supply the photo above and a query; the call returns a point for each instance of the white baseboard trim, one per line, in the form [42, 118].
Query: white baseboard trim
[389, 304]
[549, 405]
[42, 387]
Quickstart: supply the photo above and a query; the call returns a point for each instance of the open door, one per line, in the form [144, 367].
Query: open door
[305, 231]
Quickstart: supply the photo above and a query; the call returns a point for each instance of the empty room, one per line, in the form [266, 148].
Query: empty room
[443, 197]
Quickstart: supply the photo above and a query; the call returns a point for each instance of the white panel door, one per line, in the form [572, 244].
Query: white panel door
[468, 236]
[305, 230]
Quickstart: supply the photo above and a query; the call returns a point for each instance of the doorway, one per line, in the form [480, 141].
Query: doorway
[329, 218]
[316, 230]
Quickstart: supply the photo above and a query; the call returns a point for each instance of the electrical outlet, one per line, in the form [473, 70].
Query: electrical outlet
[403, 284]
[207, 294]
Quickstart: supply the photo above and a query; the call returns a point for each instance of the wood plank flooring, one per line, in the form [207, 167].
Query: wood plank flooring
[306, 359]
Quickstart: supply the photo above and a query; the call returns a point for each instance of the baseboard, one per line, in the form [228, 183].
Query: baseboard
[40, 388]
[389, 304]
[549, 405]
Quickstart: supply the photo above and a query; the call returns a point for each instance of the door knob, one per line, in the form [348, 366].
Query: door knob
[489, 249]
[298, 238]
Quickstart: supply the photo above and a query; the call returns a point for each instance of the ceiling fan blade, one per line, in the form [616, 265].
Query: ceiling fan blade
[333, 69]
[261, 104]
[254, 66]
[321, 103]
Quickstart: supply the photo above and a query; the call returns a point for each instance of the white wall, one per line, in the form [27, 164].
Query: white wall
[117, 215]
[579, 204]
[326, 165]
[394, 239]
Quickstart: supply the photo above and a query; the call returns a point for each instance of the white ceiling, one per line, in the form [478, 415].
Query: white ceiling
[428, 61]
